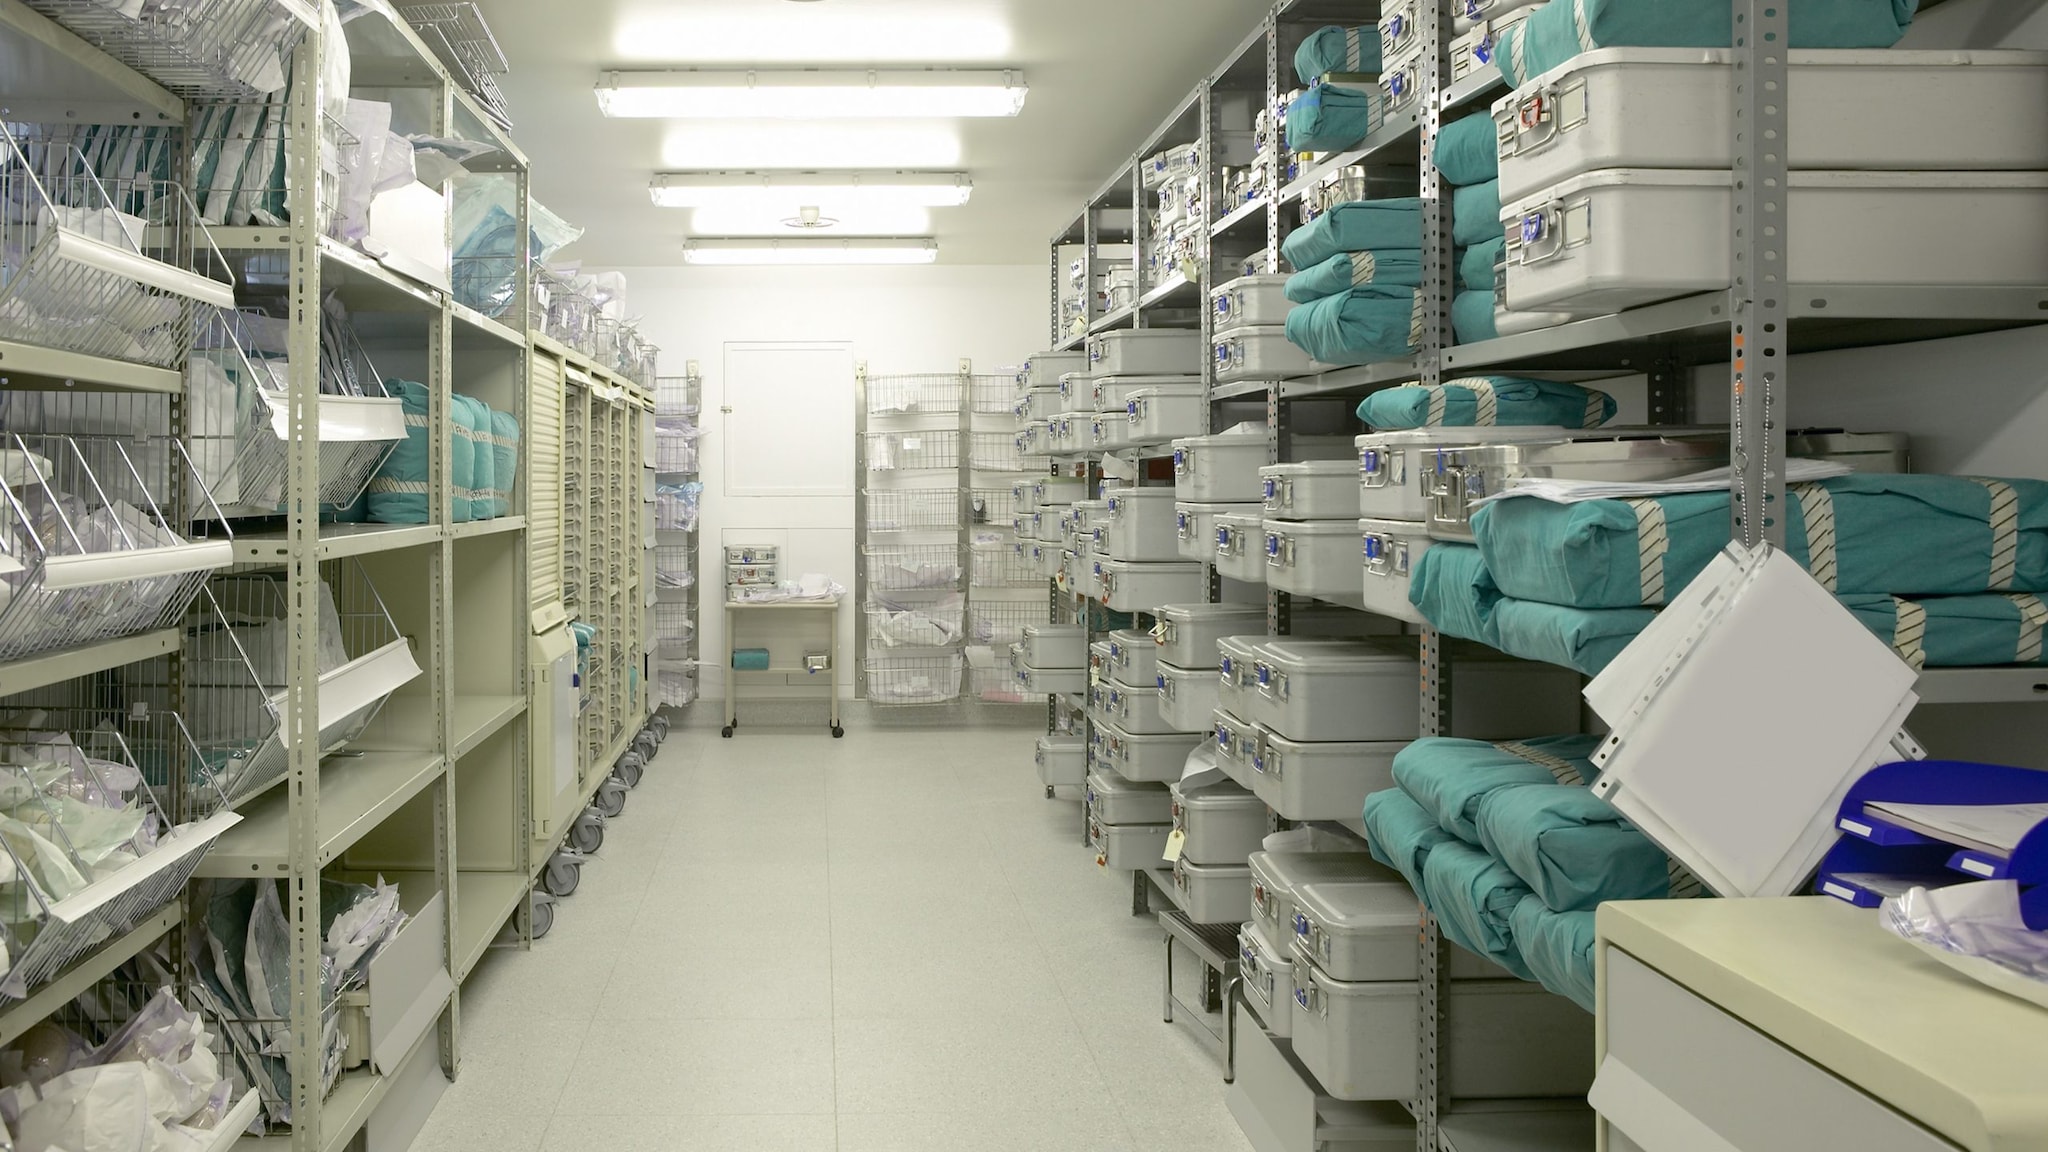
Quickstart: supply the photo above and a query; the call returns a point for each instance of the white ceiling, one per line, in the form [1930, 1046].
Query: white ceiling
[1103, 74]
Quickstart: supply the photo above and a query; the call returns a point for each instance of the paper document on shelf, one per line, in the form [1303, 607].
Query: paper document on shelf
[1993, 828]
[1561, 491]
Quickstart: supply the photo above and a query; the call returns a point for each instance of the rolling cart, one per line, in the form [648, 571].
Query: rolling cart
[827, 609]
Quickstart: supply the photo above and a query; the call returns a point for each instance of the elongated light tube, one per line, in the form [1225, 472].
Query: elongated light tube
[733, 94]
[797, 189]
[896, 250]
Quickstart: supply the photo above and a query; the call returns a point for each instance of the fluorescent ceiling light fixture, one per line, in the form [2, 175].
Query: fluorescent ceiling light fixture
[835, 220]
[854, 34]
[796, 189]
[894, 250]
[798, 144]
[872, 94]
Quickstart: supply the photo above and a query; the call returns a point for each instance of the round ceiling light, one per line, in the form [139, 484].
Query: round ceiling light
[809, 218]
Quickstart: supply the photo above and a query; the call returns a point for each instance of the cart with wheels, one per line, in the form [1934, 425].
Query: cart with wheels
[825, 614]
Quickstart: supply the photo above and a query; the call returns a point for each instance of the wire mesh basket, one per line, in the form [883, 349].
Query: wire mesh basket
[930, 678]
[993, 394]
[99, 268]
[929, 622]
[913, 509]
[677, 395]
[239, 417]
[675, 444]
[676, 507]
[993, 507]
[931, 394]
[995, 683]
[570, 308]
[996, 452]
[90, 849]
[912, 451]
[239, 168]
[87, 552]
[221, 49]
[1005, 564]
[1001, 623]
[238, 660]
[460, 37]
[672, 624]
[675, 567]
[912, 567]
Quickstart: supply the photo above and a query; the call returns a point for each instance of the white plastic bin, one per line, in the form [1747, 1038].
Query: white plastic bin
[1314, 558]
[1136, 710]
[1163, 413]
[1234, 739]
[1261, 353]
[1223, 824]
[1146, 351]
[1212, 893]
[1113, 799]
[1128, 847]
[1276, 875]
[1129, 587]
[1673, 108]
[1160, 757]
[1250, 300]
[1396, 469]
[1616, 238]
[1055, 646]
[1195, 527]
[1322, 779]
[1188, 632]
[1391, 550]
[1236, 660]
[1062, 761]
[1187, 696]
[1503, 1038]
[1240, 546]
[1139, 524]
[1310, 490]
[1133, 656]
[1113, 393]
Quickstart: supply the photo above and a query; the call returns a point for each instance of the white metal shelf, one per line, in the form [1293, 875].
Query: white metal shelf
[1399, 131]
[358, 791]
[337, 541]
[33, 367]
[1556, 1128]
[19, 1016]
[47, 668]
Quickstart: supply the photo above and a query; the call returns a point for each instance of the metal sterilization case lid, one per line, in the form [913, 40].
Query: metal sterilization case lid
[1332, 655]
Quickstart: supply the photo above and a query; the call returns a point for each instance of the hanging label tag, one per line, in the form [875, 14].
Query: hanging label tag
[1176, 843]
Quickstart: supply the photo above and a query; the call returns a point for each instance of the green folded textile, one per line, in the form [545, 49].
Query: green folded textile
[1451, 778]
[1586, 639]
[1557, 32]
[1357, 226]
[1558, 948]
[1474, 898]
[1329, 118]
[1450, 586]
[1513, 401]
[398, 492]
[1569, 846]
[1472, 316]
[750, 659]
[1401, 835]
[1337, 49]
[1399, 267]
[1475, 268]
[1475, 214]
[1468, 150]
[1957, 631]
[1896, 534]
[1358, 326]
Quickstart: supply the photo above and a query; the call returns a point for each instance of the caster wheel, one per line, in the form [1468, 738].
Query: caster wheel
[586, 835]
[726, 731]
[627, 772]
[1048, 792]
[542, 913]
[610, 798]
[660, 726]
[837, 732]
[563, 873]
[646, 743]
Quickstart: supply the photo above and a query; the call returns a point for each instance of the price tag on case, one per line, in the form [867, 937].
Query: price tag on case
[1176, 843]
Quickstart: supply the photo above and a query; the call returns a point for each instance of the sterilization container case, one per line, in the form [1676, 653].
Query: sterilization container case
[1128, 587]
[1268, 974]
[1188, 632]
[1187, 696]
[1145, 351]
[1113, 799]
[1461, 476]
[1396, 469]
[1140, 525]
[1062, 761]
[1391, 549]
[1322, 779]
[1160, 756]
[1335, 690]
[1055, 646]
[1223, 823]
[1313, 558]
[1261, 353]
[1250, 300]
[1163, 413]
[1212, 893]
[1310, 490]
[1240, 546]
[1133, 655]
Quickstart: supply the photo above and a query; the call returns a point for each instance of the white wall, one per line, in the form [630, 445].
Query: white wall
[899, 320]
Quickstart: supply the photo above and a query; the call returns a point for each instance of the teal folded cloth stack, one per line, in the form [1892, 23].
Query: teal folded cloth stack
[1475, 214]
[1357, 226]
[1358, 326]
[1957, 631]
[1451, 778]
[1330, 118]
[1450, 586]
[750, 659]
[1969, 535]
[1472, 316]
[1468, 150]
[1555, 33]
[1585, 639]
[398, 491]
[1474, 898]
[1486, 401]
[1475, 267]
[1398, 267]
[1400, 834]
[1337, 49]
[1557, 947]
[1570, 847]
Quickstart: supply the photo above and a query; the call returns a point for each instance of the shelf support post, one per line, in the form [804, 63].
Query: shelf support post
[1757, 299]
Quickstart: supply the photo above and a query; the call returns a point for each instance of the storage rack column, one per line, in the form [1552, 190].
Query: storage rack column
[677, 584]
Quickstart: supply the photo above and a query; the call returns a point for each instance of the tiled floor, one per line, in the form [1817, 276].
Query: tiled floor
[887, 943]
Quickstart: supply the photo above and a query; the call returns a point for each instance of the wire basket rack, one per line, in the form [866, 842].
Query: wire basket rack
[677, 395]
[91, 847]
[993, 394]
[87, 552]
[459, 35]
[237, 661]
[672, 624]
[993, 507]
[930, 622]
[676, 507]
[912, 451]
[998, 452]
[912, 567]
[675, 567]
[913, 509]
[220, 49]
[569, 307]
[1005, 564]
[98, 267]
[927, 678]
[239, 427]
[1001, 623]
[675, 444]
[997, 684]
[935, 394]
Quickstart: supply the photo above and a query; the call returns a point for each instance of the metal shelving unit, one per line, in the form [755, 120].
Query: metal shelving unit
[673, 580]
[1753, 328]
